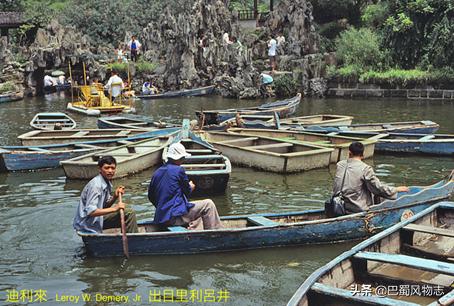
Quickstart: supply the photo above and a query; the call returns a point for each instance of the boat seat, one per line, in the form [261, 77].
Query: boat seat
[52, 120]
[408, 261]
[203, 165]
[125, 142]
[427, 137]
[427, 122]
[261, 221]
[38, 149]
[345, 294]
[269, 146]
[447, 299]
[238, 140]
[89, 146]
[213, 156]
[387, 126]
[332, 134]
[198, 151]
[177, 229]
[429, 230]
[123, 133]
[137, 123]
[80, 133]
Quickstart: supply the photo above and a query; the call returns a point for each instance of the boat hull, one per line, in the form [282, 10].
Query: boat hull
[202, 91]
[417, 147]
[11, 97]
[12, 161]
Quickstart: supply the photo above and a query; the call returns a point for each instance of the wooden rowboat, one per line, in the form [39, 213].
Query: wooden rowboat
[421, 127]
[131, 158]
[392, 267]
[340, 144]
[207, 167]
[283, 108]
[19, 158]
[130, 123]
[52, 121]
[266, 230]
[407, 143]
[269, 122]
[40, 138]
[10, 97]
[269, 154]
[201, 91]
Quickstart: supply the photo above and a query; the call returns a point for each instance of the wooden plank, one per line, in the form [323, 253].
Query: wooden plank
[80, 133]
[419, 251]
[408, 261]
[198, 151]
[348, 295]
[238, 140]
[269, 146]
[213, 156]
[38, 149]
[203, 165]
[123, 133]
[429, 230]
[262, 221]
[177, 229]
[427, 137]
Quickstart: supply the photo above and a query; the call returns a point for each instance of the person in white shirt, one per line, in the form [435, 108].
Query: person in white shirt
[280, 43]
[134, 46]
[115, 85]
[226, 40]
[49, 81]
[272, 45]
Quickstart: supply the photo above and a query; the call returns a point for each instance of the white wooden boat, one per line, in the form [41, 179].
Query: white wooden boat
[340, 144]
[207, 167]
[269, 154]
[39, 137]
[130, 123]
[131, 158]
[52, 121]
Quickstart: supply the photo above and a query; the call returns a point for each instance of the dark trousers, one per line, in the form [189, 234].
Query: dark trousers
[113, 220]
[134, 55]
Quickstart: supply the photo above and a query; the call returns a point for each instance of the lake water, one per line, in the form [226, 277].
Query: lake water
[40, 251]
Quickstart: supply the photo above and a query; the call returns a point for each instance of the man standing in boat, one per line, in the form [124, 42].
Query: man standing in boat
[96, 211]
[358, 182]
[169, 191]
[115, 85]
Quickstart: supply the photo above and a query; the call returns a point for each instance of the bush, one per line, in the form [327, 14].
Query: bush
[7, 87]
[285, 86]
[119, 67]
[143, 66]
[347, 74]
[374, 15]
[361, 48]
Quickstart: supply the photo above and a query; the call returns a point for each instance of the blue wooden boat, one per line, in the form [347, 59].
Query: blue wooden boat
[432, 144]
[415, 253]
[415, 127]
[267, 230]
[283, 109]
[10, 97]
[200, 91]
[20, 158]
[207, 167]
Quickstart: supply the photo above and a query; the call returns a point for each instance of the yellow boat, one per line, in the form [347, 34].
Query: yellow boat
[92, 101]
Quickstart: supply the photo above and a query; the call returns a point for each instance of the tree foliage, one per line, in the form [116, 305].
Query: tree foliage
[360, 48]
[419, 32]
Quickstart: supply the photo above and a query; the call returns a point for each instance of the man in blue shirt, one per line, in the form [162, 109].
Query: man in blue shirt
[95, 211]
[169, 191]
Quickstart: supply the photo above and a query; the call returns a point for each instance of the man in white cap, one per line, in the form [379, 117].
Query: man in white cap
[169, 191]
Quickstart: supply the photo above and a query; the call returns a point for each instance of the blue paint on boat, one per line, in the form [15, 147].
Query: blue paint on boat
[307, 227]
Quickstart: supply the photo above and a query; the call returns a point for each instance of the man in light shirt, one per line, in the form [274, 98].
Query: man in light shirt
[272, 45]
[115, 85]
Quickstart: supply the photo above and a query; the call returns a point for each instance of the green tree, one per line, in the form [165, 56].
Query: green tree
[360, 48]
[419, 32]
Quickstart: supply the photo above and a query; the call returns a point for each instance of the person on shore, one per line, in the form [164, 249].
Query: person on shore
[237, 44]
[120, 53]
[49, 81]
[272, 45]
[115, 85]
[280, 39]
[134, 48]
[360, 183]
[169, 190]
[95, 211]
[226, 40]
[266, 81]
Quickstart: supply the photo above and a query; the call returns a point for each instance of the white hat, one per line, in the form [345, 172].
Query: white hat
[177, 151]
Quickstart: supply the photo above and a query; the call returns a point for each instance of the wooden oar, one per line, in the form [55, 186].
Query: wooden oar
[124, 238]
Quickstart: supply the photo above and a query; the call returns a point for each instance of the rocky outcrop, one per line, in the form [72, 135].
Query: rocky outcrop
[191, 53]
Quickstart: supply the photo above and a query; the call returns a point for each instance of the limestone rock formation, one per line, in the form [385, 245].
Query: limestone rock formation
[191, 52]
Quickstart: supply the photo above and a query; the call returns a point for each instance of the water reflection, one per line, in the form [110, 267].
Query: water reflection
[38, 248]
